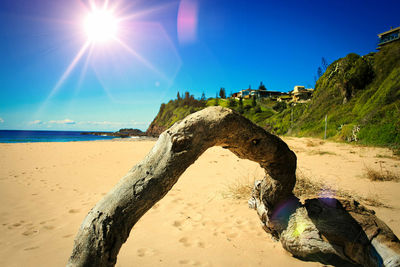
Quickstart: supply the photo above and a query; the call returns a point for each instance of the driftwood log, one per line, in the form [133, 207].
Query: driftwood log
[306, 230]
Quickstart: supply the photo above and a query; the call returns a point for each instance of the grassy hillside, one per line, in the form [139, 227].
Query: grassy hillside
[172, 112]
[361, 98]
[360, 95]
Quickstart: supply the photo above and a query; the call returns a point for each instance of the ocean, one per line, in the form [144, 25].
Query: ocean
[19, 136]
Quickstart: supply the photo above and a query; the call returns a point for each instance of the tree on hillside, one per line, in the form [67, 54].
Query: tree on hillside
[203, 97]
[187, 95]
[178, 96]
[325, 64]
[262, 86]
[231, 102]
[222, 93]
[253, 101]
[280, 106]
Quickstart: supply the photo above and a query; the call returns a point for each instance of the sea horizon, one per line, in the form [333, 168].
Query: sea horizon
[35, 136]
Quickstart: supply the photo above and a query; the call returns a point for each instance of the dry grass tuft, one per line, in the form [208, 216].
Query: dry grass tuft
[382, 175]
[311, 143]
[386, 156]
[240, 189]
[306, 188]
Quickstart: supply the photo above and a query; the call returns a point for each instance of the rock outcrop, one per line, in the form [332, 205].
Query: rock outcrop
[155, 130]
[304, 229]
[122, 133]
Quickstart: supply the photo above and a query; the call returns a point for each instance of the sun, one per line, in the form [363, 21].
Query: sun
[100, 26]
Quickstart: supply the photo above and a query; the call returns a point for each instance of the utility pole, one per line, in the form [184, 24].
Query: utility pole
[291, 119]
[326, 123]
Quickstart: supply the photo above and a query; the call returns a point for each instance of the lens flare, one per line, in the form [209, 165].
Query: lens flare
[299, 229]
[187, 21]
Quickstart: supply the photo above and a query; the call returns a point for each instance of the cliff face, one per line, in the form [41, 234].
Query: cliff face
[155, 130]
[172, 112]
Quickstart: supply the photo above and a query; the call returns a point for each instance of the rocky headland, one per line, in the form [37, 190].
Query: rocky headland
[122, 133]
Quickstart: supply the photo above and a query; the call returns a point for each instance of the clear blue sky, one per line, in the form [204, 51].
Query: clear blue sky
[166, 47]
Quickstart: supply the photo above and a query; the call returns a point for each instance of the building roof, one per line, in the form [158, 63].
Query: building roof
[389, 31]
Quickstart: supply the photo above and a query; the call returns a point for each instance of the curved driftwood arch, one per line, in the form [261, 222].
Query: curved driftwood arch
[108, 224]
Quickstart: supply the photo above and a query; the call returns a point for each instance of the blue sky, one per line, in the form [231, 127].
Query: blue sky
[166, 47]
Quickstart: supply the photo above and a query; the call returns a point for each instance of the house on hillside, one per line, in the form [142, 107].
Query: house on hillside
[271, 94]
[235, 95]
[301, 94]
[259, 93]
[389, 36]
[245, 93]
[284, 98]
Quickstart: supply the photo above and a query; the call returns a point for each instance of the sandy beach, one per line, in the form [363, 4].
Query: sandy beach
[46, 190]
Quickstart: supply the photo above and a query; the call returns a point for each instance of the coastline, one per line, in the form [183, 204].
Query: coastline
[47, 188]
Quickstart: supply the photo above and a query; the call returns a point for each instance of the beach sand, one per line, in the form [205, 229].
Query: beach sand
[46, 190]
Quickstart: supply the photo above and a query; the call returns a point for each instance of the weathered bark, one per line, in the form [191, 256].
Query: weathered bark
[326, 230]
[108, 224]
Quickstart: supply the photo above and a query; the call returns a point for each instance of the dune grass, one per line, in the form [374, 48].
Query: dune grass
[241, 189]
[306, 188]
[381, 175]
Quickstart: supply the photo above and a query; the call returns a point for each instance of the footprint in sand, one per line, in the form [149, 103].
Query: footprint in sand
[190, 262]
[66, 236]
[188, 243]
[177, 224]
[200, 244]
[142, 252]
[31, 248]
[30, 232]
[74, 211]
[48, 227]
[185, 241]
[231, 235]
[177, 200]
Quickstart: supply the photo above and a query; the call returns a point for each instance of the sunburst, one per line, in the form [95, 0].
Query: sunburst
[102, 26]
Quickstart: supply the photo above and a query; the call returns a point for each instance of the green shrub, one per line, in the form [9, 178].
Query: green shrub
[280, 106]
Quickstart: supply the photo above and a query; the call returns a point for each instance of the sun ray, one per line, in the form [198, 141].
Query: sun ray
[146, 11]
[69, 69]
[105, 6]
[65, 75]
[84, 69]
[141, 59]
[92, 5]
